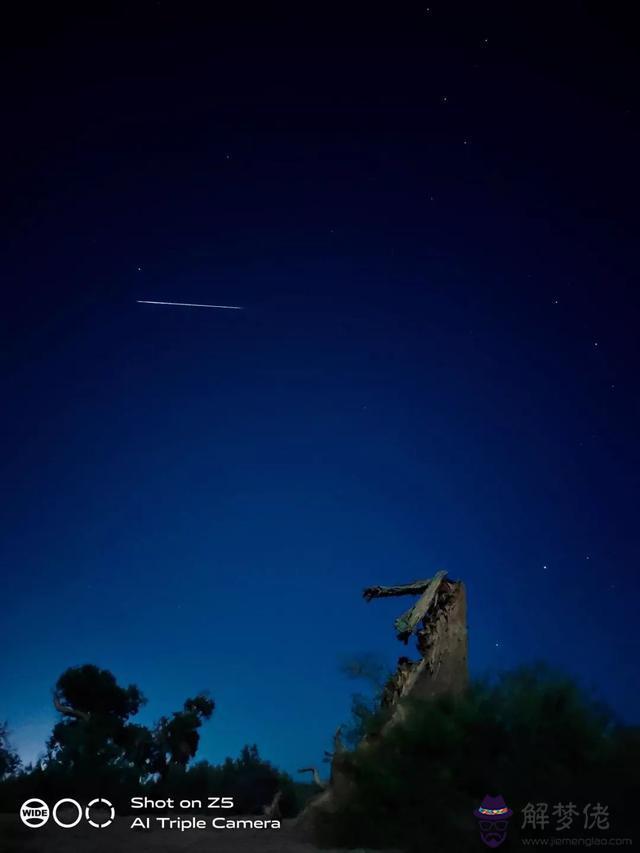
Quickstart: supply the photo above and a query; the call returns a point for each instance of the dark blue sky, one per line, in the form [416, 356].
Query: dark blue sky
[429, 217]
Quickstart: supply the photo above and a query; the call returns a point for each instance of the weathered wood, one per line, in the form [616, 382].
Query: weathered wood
[406, 624]
[316, 776]
[439, 620]
[443, 667]
[415, 588]
[272, 809]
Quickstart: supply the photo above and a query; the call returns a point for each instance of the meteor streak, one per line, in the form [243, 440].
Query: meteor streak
[189, 305]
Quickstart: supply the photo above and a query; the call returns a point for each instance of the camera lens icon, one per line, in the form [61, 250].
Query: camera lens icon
[67, 813]
[76, 805]
[105, 803]
[34, 813]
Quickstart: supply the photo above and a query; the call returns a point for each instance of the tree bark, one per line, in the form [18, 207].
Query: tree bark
[406, 624]
[415, 588]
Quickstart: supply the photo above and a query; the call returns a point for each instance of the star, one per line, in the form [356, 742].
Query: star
[545, 568]
[139, 269]
[595, 343]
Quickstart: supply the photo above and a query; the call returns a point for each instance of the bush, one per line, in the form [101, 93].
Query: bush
[532, 736]
[251, 781]
[9, 761]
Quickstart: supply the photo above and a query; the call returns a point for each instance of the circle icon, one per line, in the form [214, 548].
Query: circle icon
[34, 813]
[108, 805]
[54, 812]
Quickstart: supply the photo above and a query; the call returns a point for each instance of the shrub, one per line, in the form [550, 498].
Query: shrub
[531, 735]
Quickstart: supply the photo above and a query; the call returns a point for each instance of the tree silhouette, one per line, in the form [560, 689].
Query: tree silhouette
[9, 761]
[175, 739]
[95, 731]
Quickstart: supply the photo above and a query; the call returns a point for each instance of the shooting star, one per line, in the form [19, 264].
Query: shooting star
[189, 305]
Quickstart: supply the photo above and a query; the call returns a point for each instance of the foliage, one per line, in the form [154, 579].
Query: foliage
[531, 735]
[93, 732]
[96, 746]
[95, 735]
[9, 761]
[366, 716]
[175, 739]
[249, 779]
[95, 691]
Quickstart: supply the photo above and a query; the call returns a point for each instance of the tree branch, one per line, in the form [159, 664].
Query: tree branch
[338, 746]
[316, 776]
[415, 588]
[272, 810]
[68, 711]
[406, 624]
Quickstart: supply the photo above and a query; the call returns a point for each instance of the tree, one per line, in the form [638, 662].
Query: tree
[9, 760]
[175, 739]
[95, 729]
[83, 691]
[96, 732]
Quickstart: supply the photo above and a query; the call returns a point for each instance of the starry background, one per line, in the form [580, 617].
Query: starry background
[428, 214]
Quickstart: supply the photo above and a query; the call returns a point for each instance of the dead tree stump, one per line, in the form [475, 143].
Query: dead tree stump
[439, 621]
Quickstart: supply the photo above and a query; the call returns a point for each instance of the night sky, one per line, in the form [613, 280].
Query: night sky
[429, 215]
